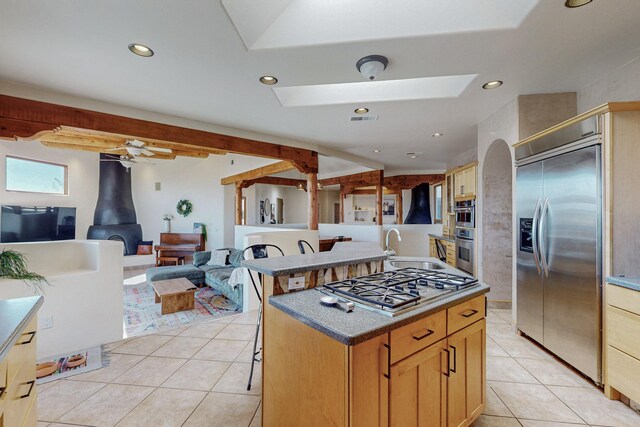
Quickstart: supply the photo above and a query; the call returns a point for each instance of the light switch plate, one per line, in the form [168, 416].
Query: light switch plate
[296, 283]
[46, 322]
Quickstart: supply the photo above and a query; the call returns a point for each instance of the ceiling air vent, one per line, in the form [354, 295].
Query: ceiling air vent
[362, 118]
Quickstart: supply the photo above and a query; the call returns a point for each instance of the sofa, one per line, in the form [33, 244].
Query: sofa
[214, 274]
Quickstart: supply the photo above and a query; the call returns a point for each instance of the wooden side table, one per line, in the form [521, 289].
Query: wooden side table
[175, 295]
[177, 260]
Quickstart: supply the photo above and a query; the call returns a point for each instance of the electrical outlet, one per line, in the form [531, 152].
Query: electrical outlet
[46, 322]
[296, 283]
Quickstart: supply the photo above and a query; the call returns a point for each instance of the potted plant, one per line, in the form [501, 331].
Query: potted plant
[13, 265]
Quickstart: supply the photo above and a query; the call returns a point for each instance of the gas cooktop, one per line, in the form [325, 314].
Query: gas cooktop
[397, 291]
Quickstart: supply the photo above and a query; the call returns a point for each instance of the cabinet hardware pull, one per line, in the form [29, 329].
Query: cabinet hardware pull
[455, 361]
[429, 332]
[388, 374]
[2, 390]
[448, 373]
[33, 334]
[31, 384]
[470, 314]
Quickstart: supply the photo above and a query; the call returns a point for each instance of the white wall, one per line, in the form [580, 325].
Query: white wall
[357, 232]
[83, 178]
[327, 199]
[622, 84]
[85, 299]
[415, 238]
[197, 180]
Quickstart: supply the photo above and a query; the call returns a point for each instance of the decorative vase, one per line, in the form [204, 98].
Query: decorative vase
[167, 226]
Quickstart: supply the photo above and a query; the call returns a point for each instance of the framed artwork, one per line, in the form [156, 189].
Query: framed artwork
[388, 207]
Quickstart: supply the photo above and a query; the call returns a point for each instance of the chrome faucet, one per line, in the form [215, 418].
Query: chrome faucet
[388, 251]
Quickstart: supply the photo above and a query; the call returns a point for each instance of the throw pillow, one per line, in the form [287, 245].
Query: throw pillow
[218, 257]
[235, 258]
[201, 258]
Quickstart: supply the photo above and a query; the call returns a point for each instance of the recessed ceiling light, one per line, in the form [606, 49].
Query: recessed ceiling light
[361, 110]
[140, 49]
[268, 80]
[576, 3]
[376, 151]
[437, 134]
[414, 156]
[492, 84]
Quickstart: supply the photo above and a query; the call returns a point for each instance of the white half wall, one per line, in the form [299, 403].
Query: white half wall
[357, 232]
[85, 301]
[415, 238]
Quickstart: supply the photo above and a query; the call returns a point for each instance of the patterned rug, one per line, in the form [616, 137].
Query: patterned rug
[142, 315]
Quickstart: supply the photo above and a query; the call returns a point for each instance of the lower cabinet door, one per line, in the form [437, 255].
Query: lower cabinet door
[418, 388]
[466, 394]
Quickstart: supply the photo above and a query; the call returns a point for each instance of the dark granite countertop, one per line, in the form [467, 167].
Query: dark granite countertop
[344, 253]
[361, 324]
[632, 283]
[15, 315]
[451, 239]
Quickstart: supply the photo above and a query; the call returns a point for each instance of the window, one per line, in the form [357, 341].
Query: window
[437, 190]
[35, 177]
[244, 211]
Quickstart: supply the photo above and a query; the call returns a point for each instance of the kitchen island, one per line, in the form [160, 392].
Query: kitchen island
[324, 366]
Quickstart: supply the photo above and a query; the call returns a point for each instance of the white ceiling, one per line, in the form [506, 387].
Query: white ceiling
[203, 69]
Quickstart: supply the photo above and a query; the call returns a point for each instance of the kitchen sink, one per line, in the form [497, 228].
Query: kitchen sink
[417, 264]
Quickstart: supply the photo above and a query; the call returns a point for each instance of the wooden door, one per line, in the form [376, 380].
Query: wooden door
[418, 389]
[336, 213]
[279, 211]
[466, 395]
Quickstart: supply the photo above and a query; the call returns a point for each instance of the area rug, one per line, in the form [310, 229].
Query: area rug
[65, 365]
[142, 315]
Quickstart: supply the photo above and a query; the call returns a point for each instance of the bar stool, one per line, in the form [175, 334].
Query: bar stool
[258, 251]
[337, 239]
[301, 245]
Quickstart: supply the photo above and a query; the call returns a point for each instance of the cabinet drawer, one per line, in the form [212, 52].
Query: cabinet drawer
[623, 372]
[623, 330]
[623, 298]
[3, 374]
[24, 347]
[20, 395]
[418, 335]
[465, 314]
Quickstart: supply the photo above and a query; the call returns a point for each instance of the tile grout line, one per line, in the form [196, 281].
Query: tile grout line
[75, 406]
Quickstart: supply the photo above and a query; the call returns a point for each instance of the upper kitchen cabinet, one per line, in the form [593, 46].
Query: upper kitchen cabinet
[464, 179]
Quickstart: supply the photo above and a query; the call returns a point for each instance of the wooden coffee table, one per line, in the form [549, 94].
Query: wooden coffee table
[175, 294]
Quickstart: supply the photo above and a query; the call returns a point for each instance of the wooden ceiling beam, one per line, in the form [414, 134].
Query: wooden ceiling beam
[274, 180]
[361, 179]
[24, 118]
[406, 182]
[366, 192]
[53, 144]
[263, 171]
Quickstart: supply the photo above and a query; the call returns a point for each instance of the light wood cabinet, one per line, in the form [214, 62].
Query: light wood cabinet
[418, 389]
[415, 375]
[465, 183]
[623, 347]
[450, 248]
[17, 381]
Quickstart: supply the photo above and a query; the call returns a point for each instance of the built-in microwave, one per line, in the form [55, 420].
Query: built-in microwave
[465, 214]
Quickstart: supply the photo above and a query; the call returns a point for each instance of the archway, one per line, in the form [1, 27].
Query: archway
[497, 234]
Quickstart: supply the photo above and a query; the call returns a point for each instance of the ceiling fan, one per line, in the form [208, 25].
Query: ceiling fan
[136, 148]
[126, 160]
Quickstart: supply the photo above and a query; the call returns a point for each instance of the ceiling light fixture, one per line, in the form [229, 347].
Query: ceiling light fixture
[576, 3]
[361, 110]
[372, 65]
[141, 50]
[492, 84]
[320, 186]
[414, 157]
[300, 186]
[268, 80]
[437, 134]
[376, 151]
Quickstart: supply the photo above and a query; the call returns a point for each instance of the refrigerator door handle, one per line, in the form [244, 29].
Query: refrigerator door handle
[542, 237]
[534, 236]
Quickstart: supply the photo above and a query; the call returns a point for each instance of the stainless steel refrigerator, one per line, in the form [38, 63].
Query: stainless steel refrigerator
[559, 261]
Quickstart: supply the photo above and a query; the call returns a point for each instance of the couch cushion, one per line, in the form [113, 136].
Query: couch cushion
[216, 276]
[201, 258]
[206, 268]
[190, 272]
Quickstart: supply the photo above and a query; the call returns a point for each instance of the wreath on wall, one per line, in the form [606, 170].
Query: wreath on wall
[184, 207]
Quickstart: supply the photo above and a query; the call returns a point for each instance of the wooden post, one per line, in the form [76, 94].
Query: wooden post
[379, 204]
[399, 206]
[239, 203]
[342, 197]
[312, 193]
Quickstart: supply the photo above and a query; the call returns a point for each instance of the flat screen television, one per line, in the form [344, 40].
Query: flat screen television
[36, 224]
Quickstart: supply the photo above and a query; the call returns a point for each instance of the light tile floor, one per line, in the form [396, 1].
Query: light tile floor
[196, 376]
